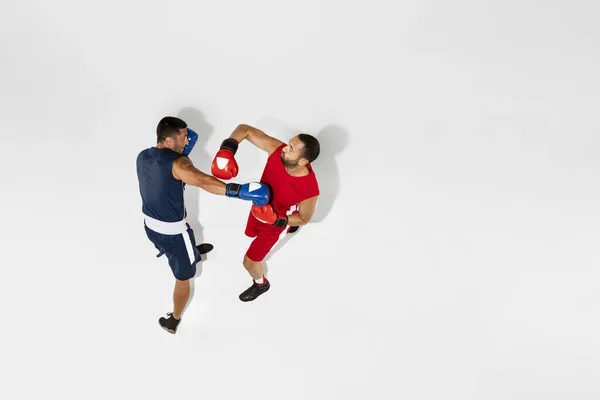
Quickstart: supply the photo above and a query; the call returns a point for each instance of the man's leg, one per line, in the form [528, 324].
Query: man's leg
[260, 284]
[181, 295]
[255, 269]
[259, 248]
[182, 260]
[263, 242]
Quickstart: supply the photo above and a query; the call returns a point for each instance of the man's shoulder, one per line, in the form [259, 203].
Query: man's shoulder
[313, 181]
[143, 154]
[277, 150]
[161, 156]
[167, 154]
[148, 151]
[275, 156]
[312, 173]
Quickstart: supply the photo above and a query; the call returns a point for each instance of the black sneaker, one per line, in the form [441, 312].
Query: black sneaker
[254, 291]
[204, 248]
[169, 324]
[293, 229]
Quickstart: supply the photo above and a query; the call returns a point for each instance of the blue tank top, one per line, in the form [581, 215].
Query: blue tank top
[162, 194]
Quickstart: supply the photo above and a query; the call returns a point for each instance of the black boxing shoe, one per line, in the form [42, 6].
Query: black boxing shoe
[204, 248]
[169, 324]
[293, 229]
[254, 291]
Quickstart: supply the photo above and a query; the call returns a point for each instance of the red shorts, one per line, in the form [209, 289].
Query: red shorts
[265, 238]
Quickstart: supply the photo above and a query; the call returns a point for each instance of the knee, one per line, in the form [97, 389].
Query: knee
[248, 263]
[183, 275]
[182, 282]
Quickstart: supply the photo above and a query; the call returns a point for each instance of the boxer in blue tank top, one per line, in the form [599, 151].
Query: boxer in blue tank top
[162, 172]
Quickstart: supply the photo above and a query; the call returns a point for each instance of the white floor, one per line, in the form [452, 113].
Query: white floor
[453, 254]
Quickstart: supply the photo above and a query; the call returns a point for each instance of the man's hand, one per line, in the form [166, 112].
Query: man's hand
[224, 165]
[258, 193]
[192, 139]
[268, 215]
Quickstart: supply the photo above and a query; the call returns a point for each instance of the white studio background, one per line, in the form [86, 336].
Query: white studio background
[454, 251]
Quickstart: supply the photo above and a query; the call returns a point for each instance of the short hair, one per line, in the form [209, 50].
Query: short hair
[169, 127]
[311, 148]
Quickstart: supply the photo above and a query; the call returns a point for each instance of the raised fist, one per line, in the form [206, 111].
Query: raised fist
[224, 165]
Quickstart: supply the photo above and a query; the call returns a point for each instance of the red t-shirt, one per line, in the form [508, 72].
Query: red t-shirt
[287, 191]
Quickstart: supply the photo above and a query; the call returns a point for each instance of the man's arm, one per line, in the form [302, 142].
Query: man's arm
[184, 170]
[256, 137]
[307, 209]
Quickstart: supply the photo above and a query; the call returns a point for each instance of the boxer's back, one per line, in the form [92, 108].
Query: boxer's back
[162, 194]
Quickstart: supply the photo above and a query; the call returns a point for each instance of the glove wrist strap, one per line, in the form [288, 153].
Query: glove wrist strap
[232, 189]
[229, 144]
[281, 222]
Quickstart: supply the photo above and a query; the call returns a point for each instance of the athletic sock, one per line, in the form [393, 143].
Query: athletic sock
[260, 281]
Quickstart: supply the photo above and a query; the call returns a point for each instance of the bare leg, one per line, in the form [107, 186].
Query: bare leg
[181, 295]
[255, 269]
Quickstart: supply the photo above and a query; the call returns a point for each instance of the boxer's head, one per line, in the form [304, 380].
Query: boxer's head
[171, 133]
[302, 149]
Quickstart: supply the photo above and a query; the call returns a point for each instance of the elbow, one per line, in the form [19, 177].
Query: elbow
[245, 128]
[248, 130]
[303, 221]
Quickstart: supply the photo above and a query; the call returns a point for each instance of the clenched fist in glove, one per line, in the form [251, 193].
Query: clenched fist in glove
[268, 215]
[224, 165]
[257, 192]
[192, 139]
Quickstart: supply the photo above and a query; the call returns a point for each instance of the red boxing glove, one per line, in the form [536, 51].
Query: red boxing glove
[224, 165]
[267, 215]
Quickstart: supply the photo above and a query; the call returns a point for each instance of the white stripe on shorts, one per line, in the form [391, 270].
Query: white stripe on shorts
[281, 236]
[187, 239]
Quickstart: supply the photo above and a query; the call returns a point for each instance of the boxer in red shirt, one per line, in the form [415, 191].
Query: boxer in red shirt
[294, 193]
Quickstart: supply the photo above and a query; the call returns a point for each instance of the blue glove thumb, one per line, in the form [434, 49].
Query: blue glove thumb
[192, 138]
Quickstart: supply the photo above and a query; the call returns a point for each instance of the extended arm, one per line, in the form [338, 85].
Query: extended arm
[224, 165]
[256, 137]
[184, 170]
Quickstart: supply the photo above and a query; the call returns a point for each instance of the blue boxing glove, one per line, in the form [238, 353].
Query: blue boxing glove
[192, 138]
[259, 193]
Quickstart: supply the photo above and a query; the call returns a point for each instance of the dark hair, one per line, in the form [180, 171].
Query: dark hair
[169, 127]
[311, 148]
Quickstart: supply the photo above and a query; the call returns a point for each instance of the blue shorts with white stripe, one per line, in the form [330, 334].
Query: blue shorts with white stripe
[180, 250]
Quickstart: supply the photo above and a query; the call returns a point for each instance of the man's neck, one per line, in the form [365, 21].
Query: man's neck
[297, 171]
